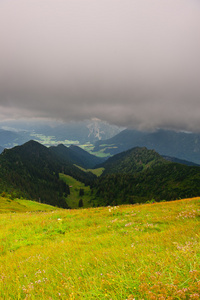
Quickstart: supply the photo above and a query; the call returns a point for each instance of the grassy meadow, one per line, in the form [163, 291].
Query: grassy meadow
[7, 205]
[149, 251]
[74, 197]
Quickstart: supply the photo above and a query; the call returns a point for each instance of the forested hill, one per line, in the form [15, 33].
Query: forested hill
[133, 161]
[87, 159]
[182, 145]
[32, 170]
[76, 155]
[139, 175]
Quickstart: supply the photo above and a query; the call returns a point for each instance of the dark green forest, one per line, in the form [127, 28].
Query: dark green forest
[133, 161]
[32, 171]
[134, 176]
[167, 182]
[139, 175]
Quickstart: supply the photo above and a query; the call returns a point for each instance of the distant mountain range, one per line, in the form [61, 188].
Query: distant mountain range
[184, 146]
[180, 161]
[174, 146]
[9, 139]
[14, 133]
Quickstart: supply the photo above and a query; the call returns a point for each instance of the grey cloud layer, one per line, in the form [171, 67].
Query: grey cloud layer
[132, 62]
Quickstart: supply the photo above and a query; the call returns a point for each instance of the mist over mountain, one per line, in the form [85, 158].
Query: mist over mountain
[182, 145]
[10, 138]
[180, 161]
[52, 133]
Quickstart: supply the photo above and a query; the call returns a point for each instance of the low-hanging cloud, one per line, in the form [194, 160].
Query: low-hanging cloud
[132, 62]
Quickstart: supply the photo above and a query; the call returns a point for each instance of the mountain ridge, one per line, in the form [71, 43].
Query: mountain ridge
[185, 146]
[76, 155]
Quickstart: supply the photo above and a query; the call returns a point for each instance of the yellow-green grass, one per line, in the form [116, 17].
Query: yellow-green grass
[96, 172]
[19, 205]
[149, 251]
[75, 186]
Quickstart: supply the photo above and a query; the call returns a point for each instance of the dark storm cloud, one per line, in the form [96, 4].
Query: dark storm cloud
[132, 62]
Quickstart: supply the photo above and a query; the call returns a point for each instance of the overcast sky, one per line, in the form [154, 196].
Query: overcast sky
[129, 62]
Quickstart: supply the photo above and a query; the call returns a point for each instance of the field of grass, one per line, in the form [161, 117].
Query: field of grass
[96, 172]
[75, 186]
[149, 251]
[19, 205]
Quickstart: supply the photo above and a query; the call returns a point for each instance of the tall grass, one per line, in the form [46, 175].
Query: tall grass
[130, 252]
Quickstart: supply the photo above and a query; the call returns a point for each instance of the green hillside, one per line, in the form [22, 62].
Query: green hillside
[8, 205]
[165, 182]
[76, 155]
[133, 161]
[32, 171]
[139, 175]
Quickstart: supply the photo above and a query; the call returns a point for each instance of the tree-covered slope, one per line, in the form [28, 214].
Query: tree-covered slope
[76, 155]
[166, 182]
[133, 161]
[139, 175]
[89, 160]
[32, 170]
